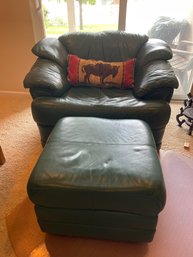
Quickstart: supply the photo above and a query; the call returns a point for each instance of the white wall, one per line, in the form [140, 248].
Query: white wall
[17, 39]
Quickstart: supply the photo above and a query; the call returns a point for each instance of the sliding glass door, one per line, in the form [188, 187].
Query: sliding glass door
[171, 21]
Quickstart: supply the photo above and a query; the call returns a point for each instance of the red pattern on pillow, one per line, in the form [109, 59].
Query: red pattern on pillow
[99, 73]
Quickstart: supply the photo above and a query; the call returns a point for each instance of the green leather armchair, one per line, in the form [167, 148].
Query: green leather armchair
[54, 98]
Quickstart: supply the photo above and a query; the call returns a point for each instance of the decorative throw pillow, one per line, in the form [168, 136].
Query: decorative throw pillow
[99, 73]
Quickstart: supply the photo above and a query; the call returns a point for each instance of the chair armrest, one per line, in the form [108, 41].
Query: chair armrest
[155, 80]
[51, 49]
[153, 49]
[46, 78]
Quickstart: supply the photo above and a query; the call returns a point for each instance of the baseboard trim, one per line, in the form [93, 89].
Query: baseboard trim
[13, 92]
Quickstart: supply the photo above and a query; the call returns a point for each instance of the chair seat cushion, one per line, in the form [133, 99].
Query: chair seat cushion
[96, 102]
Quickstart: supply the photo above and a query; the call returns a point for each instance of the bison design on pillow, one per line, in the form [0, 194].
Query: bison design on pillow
[88, 72]
[101, 70]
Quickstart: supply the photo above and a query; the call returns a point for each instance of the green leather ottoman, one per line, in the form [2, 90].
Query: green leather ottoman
[99, 178]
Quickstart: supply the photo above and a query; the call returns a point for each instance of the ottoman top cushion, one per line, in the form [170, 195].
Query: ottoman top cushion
[94, 163]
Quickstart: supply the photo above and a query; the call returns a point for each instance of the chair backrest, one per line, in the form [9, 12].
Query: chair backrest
[168, 29]
[105, 46]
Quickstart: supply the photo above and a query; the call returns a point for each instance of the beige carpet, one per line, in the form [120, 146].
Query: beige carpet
[175, 136]
[19, 139]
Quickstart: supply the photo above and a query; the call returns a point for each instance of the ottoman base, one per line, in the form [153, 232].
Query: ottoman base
[97, 224]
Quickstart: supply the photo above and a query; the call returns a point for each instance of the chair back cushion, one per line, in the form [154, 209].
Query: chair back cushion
[108, 46]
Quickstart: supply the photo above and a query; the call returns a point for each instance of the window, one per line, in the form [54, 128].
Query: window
[83, 15]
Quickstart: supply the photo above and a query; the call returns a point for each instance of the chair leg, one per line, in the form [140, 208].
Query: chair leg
[180, 122]
[190, 130]
[2, 157]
